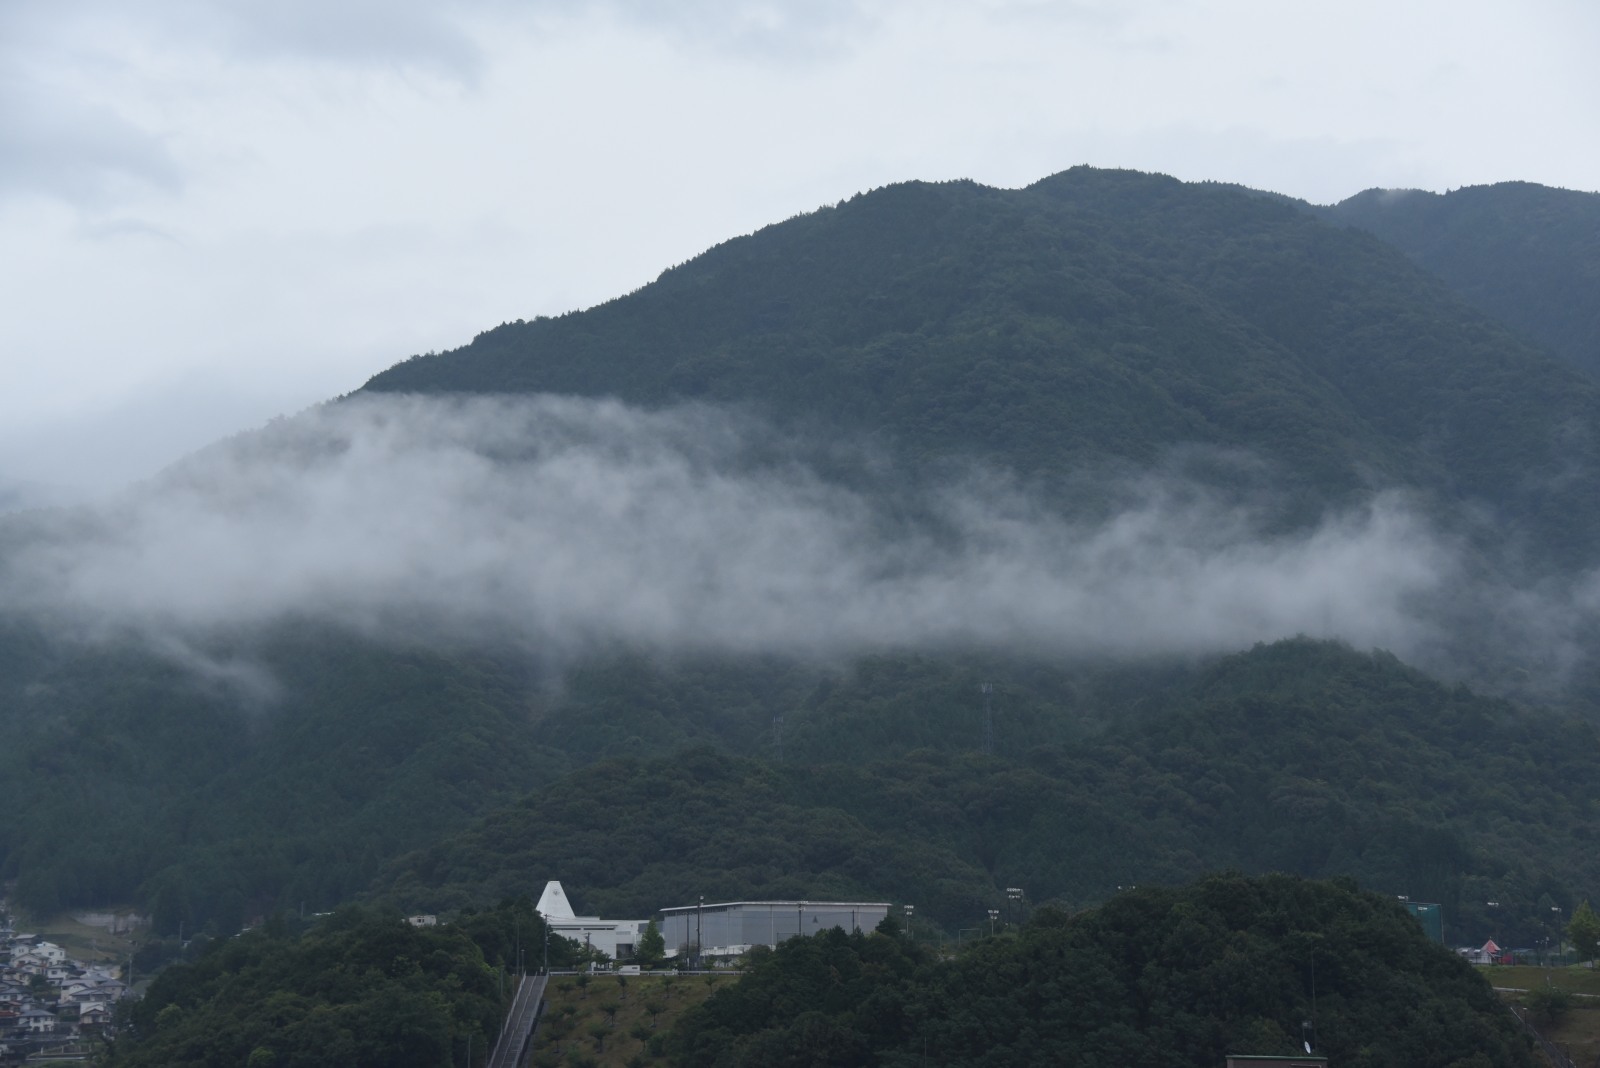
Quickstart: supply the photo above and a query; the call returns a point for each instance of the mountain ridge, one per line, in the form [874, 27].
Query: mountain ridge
[1092, 316]
[1525, 253]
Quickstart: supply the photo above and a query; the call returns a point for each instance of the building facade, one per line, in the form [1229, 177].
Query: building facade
[729, 928]
[617, 939]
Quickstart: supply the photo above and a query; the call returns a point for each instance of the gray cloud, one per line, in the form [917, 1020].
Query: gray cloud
[58, 140]
[53, 144]
[563, 523]
[763, 28]
[360, 32]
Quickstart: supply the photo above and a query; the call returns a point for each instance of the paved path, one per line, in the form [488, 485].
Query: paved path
[517, 1034]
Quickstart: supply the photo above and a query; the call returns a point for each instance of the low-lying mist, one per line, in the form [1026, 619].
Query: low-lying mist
[564, 523]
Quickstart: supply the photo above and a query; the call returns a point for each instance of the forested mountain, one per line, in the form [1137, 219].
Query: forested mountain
[1301, 756]
[1527, 254]
[315, 649]
[125, 774]
[128, 775]
[1093, 316]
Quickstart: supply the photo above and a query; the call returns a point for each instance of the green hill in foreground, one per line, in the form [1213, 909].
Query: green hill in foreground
[1153, 978]
[357, 990]
[1301, 756]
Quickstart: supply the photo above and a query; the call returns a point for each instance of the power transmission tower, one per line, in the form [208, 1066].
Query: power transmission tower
[987, 689]
[777, 736]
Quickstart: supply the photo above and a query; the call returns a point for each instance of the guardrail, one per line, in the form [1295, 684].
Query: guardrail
[1558, 1056]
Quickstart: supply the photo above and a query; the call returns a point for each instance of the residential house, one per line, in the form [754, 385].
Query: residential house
[39, 1022]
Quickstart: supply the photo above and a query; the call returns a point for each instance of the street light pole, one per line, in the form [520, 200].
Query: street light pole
[994, 914]
[911, 911]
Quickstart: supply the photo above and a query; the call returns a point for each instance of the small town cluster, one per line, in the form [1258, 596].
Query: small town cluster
[48, 1001]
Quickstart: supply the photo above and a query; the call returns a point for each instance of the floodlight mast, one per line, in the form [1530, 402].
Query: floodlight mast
[1015, 894]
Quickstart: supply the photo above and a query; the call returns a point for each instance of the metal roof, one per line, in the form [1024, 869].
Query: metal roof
[786, 904]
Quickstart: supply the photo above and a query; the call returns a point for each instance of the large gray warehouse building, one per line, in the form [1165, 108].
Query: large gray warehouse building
[731, 927]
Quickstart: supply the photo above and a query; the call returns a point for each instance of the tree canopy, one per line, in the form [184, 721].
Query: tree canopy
[1155, 977]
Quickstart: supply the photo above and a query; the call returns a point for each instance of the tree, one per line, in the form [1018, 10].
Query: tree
[1584, 931]
[652, 948]
[1547, 1004]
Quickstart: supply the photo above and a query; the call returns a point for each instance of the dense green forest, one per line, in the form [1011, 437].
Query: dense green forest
[1524, 253]
[126, 775]
[1227, 964]
[1154, 977]
[358, 988]
[1302, 756]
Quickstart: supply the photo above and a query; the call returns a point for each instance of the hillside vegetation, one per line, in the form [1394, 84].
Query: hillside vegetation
[1524, 253]
[357, 989]
[1154, 977]
[1093, 317]
[1302, 757]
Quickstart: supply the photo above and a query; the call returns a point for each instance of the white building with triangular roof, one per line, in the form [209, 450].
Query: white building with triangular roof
[615, 938]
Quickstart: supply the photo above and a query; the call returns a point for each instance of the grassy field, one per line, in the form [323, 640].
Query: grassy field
[1577, 1032]
[609, 1021]
[81, 941]
[1526, 977]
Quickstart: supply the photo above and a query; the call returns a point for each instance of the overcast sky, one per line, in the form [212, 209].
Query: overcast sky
[215, 211]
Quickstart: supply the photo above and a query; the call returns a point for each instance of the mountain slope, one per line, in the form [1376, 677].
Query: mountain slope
[1300, 756]
[220, 768]
[1092, 317]
[1527, 254]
